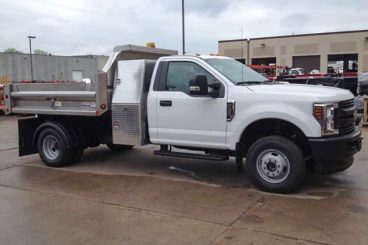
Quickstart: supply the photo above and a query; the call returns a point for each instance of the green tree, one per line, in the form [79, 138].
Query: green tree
[12, 50]
[40, 51]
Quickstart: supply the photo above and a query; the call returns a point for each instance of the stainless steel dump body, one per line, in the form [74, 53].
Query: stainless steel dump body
[74, 98]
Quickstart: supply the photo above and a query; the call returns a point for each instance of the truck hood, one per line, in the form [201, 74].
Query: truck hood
[316, 92]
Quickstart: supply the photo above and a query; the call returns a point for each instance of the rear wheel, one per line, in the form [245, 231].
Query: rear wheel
[53, 148]
[276, 164]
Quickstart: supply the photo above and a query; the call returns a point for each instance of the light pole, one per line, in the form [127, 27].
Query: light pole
[30, 54]
[183, 24]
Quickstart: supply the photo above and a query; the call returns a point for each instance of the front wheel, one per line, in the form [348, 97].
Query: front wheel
[276, 164]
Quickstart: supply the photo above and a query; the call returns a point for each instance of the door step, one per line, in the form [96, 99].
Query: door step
[211, 157]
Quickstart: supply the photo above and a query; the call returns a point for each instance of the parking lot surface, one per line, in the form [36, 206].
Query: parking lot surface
[135, 197]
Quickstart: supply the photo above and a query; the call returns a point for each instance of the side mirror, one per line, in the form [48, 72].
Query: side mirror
[198, 85]
[216, 86]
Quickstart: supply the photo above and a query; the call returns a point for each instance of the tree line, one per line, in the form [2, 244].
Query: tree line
[35, 51]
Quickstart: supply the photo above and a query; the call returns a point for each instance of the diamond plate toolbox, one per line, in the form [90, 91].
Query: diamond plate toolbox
[129, 99]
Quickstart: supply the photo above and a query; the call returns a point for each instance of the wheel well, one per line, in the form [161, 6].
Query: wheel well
[267, 127]
[84, 131]
[59, 127]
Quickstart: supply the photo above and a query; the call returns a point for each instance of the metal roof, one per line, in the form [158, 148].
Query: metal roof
[297, 35]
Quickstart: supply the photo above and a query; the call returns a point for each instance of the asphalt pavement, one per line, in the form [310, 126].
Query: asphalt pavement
[135, 197]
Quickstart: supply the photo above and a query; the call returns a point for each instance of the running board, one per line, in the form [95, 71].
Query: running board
[211, 157]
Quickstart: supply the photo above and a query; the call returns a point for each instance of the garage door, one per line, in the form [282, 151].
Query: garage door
[308, 63]
[264, 61]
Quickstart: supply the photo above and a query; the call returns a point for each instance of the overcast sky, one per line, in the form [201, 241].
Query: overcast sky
[69, 27]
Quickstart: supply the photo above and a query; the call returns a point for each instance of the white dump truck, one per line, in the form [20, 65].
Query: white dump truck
[203, 107]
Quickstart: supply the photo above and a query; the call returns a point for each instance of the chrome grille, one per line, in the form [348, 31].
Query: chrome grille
[345, 117]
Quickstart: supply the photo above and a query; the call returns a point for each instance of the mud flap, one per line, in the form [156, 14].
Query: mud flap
[26, 129]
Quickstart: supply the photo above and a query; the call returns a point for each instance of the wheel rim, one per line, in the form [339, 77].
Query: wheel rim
[51, 147]
[273, 166]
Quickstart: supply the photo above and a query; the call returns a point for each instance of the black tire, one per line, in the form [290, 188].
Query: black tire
[276, 164]
[116, 148]
[57, 156]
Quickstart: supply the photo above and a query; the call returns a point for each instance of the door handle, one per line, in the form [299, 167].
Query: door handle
[165, 103]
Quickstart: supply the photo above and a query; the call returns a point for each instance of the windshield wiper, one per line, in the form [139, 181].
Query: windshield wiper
[250, 82]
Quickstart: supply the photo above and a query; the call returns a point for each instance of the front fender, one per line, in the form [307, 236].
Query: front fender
[299, 116]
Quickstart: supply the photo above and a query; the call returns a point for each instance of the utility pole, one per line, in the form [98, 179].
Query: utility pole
[30, 54]
[242, 45]
[183, 24]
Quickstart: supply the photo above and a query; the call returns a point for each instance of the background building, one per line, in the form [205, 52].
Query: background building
[347, 51]
[16, 67]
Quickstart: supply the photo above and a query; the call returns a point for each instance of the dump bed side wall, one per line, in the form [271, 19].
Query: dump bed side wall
[72, 98]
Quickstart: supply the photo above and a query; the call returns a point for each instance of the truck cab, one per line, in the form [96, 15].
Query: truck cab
[249, 117]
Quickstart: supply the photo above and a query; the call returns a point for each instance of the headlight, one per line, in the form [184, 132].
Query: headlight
[325, 115]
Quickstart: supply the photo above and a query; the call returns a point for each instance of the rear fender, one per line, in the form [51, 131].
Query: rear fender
[60, 128]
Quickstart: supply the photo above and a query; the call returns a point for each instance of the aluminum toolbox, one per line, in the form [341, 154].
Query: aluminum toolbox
[129, 110]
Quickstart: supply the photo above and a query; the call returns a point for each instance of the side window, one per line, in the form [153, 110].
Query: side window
[179, 74]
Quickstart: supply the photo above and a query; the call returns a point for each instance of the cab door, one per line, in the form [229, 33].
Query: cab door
[186, 120]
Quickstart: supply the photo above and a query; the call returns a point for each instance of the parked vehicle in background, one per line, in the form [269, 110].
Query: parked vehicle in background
[362, 91]
[339, 70]
[269, 71]
[2, 102]
[330, 70]
[363, 84]
[212, 106]
[296, 71]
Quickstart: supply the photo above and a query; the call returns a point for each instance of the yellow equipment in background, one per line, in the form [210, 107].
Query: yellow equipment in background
[5, 79]
[150, 45]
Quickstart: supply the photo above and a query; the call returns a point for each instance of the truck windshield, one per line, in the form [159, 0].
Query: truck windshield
[236, 72]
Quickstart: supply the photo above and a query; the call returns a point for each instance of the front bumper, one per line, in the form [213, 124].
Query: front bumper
[335, 154]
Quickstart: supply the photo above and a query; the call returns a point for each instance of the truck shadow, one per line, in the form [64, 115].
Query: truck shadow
[140, 161]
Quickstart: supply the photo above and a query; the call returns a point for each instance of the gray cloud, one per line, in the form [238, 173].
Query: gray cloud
[295, 22]
[95, 27]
